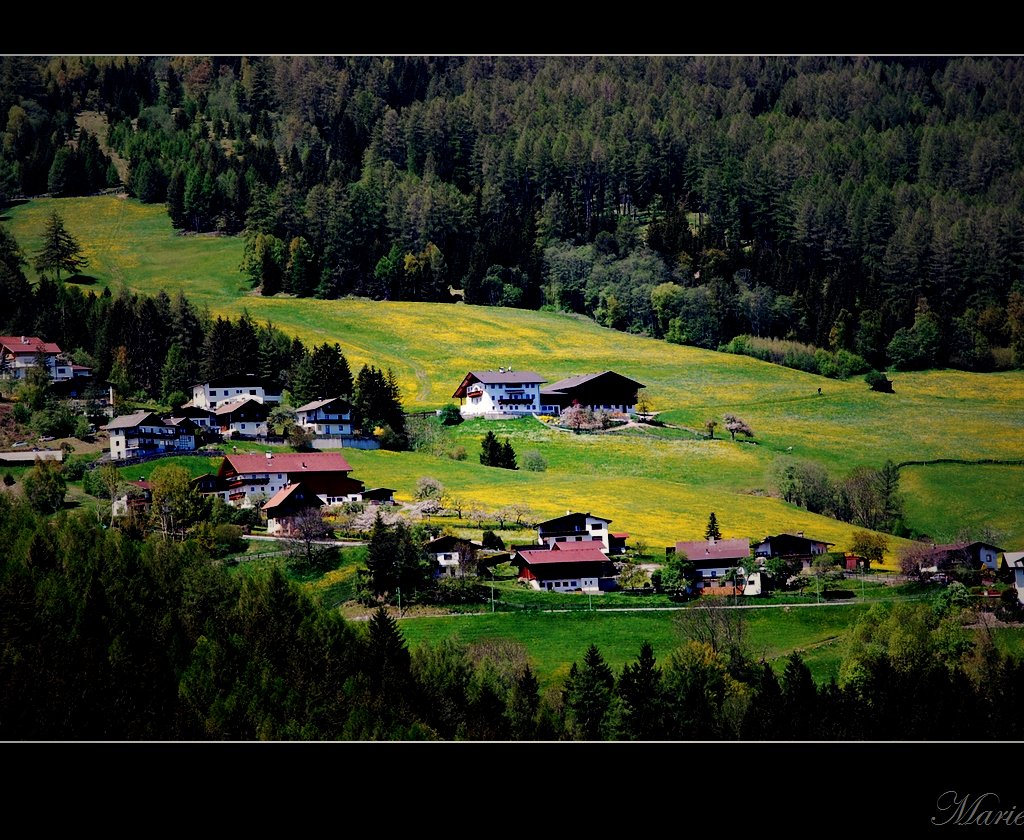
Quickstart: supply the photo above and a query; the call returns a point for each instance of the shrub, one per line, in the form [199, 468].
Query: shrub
[450, 415]
[8, 478]
[73, 470]
[534, 461]
[878, 382]
[228, 539]
[457, 453]
[492, 541]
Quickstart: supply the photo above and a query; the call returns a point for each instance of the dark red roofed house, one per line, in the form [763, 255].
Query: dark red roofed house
[713, 559]
[286, 505]
[244, 477]
[606, 391]
[565, 567]
[499, 393]
[19, 353]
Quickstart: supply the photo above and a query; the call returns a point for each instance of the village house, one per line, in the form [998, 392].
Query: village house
[247, 477]
[500, 393]
[202, 417]
[565, 567]
[714, 559]
[942, 558]
[285, 508]
[606, 391]
[378, 496]
[581, 527]
[235, 388]
[18, 354]
[1014, 560]
[245, 418]
[331, 416]
[793, 547]
[452, 554]
[136, 498]
[144, 433]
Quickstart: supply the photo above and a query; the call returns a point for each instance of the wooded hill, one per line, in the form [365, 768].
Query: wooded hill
[871, 205]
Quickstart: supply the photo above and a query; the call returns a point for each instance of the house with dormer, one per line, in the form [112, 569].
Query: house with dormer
[18, 354]
[243, 479]
[499, 393]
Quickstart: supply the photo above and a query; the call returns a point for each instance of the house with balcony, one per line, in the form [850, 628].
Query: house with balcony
[606, 391]
[581, 527]
[566, 567]
[145, 433]
[286, 508]
[331, 416]
[245, 479]
[245, 418]
[714, 559]
[235, 388]
[18, 354]
[501, 393]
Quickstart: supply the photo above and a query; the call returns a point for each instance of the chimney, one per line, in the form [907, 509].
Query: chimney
[270, 456]
[24, 340]
[501, 370]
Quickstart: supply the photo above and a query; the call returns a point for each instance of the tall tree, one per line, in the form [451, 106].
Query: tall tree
[712, 530]
[587, 695]
[60, 250]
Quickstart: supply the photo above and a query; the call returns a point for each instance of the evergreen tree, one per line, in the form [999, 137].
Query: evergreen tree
[60, 250]
[639, 689]
[587, 695]
[490, 450]
[508, 456]
[712, 530]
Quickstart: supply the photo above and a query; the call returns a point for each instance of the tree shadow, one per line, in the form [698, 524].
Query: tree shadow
[82, 280]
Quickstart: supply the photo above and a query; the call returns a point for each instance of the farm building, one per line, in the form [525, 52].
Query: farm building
[242, 478]
[605, 391]
[565, 567]
[286, 506]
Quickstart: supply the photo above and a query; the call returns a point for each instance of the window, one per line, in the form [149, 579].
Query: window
[572, 583]
[252, 391]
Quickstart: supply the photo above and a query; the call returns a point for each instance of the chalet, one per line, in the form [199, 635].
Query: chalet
[451, 554]
[791, 547]
[500, 393]
[713, 558]
[20, 353]
[287, 505]
[246, 418]
[605, 391]
[137, 498]
[202, 417]
[227, 389]
[243, 478]
[1014, 560]
[580, 527]
[326, 417]
[565, 567]
[144, 433]
[974, 554]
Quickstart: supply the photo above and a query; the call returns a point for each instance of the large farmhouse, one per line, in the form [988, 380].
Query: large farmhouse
[564, 567]
[606, 391]
[235, 388]
[243, 478]
[713, 559]
[144, 433]
[499, 393]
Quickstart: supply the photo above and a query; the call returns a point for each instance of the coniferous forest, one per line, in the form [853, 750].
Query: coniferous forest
[865, 205]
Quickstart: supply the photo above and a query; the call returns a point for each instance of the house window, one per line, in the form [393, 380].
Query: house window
[572, 583]
[243, 425]
[252, 391]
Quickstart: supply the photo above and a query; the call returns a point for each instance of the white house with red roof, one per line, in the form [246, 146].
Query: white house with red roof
[20, 353]
[243, 479]
[714, 558]
[326, 417]
[499, 393]
[564, 567]
[144, 433]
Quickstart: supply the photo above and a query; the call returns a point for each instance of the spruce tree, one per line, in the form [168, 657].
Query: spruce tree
[508, 456]
[490, 450]
[60, 250]
[712, 530]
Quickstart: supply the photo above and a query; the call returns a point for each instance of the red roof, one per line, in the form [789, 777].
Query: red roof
[27, 344]
[536, 557]
[717, 550]
[622, 535]
[577, 545]
[287, 462]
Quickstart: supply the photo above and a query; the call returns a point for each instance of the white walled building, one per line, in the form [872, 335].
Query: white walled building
[144, 433]
[502, 392]
[20, 353]
[326, 417]
[229, 389]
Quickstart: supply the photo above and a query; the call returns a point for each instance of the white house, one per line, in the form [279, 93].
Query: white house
[326, 417]
[144, 433]
[575, 527]
[1015, 560]
[448, 552]
[564, 567]
[246, 417]
[228, 389]
[500, 393]
[19, 353]
[241, 479]
[714, 559]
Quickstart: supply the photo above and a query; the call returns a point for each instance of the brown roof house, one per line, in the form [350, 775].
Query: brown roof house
[287, 506]
[566, 567]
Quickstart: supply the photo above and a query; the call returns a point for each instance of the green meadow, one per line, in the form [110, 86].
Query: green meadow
[658, 485]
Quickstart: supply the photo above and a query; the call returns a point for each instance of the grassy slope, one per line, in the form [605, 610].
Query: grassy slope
[658, 488]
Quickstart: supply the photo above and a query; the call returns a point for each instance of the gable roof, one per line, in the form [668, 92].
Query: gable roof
[576, 545]
[287, 493]
[795, 537]
[497, 377]
[1014, 559]
[542, 556]
[27, 344]
[130, 421]
[248, 380]
[448, 542]
[583, 378]
[313, 406]
[232, 407]
[569, 517]
[699, 550]
[287, 462]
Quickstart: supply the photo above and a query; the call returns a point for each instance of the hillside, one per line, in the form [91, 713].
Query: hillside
[430, 346]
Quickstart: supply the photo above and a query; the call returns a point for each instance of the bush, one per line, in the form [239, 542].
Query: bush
[8, 478]
[878, 382]
[492, 541]
[228, 539]
[457, 453]
[456, 590]
[534, 461]
[450, 415]
[73, 470]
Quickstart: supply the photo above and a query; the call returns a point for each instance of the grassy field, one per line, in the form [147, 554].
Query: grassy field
[660, 487]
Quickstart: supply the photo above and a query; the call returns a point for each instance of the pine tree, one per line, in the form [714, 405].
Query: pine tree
[588, 694]
[490, 450]
[60, 250]
[508, 456]
[639, 688]
[712, 531]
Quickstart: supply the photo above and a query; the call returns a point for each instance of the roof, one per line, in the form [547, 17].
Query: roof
[288, 462]
[28, 344]
[497, 377]
[130, 421]
[286, 493]
[569, 517]
[961, 546]
[621, 535]
[248, 380]
[447, 542]
[232, 407]
[796, 537]
[80, 367]
[1014, 559]
[698, 550]
[313, 406]
[576, 545]
[582, 378]
[540, 556]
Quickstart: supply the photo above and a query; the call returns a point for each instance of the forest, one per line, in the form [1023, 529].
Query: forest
[870, 207]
